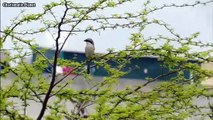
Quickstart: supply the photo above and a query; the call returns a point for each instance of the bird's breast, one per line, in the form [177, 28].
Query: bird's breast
[89, 50]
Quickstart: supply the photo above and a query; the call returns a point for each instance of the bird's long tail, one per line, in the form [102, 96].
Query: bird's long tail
[88, 66]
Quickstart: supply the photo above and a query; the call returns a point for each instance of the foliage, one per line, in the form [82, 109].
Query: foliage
[167, 100]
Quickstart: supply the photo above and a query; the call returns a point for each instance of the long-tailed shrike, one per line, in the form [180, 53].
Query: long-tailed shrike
[89, 52]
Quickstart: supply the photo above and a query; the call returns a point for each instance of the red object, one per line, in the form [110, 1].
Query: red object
[66, 70]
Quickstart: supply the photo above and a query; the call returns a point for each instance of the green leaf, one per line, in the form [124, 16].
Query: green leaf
[111, 3]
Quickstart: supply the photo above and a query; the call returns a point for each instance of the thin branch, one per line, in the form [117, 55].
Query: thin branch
[139, 87]
[47, 96]
[78, 22]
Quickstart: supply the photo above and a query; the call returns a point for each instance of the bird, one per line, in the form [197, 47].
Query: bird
[89, 52]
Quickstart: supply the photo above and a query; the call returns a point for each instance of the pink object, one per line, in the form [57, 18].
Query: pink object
[67, 70]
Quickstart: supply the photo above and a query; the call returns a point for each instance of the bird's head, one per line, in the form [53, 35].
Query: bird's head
[89, 40]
